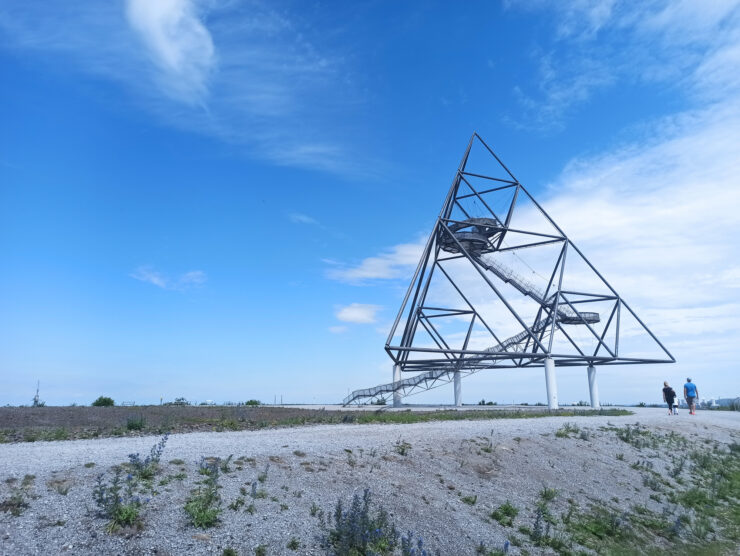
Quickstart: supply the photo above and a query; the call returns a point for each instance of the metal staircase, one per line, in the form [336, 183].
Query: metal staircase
[438, 377]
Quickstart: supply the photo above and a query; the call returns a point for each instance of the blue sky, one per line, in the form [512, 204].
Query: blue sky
[226, 200]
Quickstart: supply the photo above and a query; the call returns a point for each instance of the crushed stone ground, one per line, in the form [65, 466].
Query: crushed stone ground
[423, 490]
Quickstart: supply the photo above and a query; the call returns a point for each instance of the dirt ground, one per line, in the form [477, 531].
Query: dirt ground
[18, 424]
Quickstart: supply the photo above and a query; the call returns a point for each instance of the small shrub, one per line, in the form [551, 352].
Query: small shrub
[16, 504]
[358, 530]
[470, 500]
[411, 547]
[293, 544]
[117, 502]
[261, 550]
[135, 423]
[224, 465]
[253, 403]
[146, 468]
[104, 401]
[548, 494]
[204, 505]
[401, 447]
[229, 552]
[61, 486]
[566, 430]
[505, 514]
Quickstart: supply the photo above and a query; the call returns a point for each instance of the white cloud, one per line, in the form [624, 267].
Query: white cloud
[243, 74]
[150, 276]
[298, 218]
[182, 282]
[358, 313]
[179, 44]
[688, 46]
[393, 263]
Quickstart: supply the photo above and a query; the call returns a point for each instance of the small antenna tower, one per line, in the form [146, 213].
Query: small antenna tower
[36, 397]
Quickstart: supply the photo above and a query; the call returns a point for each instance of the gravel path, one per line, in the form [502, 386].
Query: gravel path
[494, 461]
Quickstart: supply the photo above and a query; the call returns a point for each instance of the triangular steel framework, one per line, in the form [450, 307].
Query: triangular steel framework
[486, 216]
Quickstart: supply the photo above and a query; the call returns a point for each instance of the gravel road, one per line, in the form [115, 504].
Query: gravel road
[314, 466]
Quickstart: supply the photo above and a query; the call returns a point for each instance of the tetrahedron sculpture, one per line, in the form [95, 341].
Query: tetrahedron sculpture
[499, 285]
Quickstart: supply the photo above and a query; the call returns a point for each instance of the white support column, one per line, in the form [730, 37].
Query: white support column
[458, 389]
[550, 383]
[593, 389]
[396, 378]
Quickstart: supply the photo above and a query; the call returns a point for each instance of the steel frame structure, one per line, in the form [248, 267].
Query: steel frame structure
[455, 238]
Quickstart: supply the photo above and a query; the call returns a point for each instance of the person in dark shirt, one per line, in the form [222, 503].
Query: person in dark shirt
[669, 396]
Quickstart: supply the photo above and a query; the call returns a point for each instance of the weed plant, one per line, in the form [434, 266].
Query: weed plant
[505, 514]
[135, 423]
[401, 447]
[117, 501]
[146, 468]
[15, 504]
[566, 430]
[411, 546]
[358, 530]
[204, 505]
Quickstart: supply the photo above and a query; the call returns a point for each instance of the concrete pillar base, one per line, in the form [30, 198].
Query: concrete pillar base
[550, 384]
[593, 389]
[396, 378]
[458, 389]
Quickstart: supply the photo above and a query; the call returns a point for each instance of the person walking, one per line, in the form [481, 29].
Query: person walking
[669, 396]
[691, 393]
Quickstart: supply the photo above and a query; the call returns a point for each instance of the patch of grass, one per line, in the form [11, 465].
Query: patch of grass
[593, 529]
[61, 486]
[224, 465]
[261, 550]
[470, 500]
[16, 504]
[90, 464]
[505, 514]
[566, 430]
[401, 447]
[293, 544]
[237, 503]
[547, 494]
[135, 423]
[177, 461]
[229, 552]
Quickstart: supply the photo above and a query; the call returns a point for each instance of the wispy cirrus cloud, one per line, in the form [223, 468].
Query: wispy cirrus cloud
[178, 43]
[181, 282]
[358, 313]
[299, 218]
[241, 73]
[598, 45]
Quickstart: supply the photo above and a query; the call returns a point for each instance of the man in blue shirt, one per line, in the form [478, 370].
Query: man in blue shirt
[690, 392]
